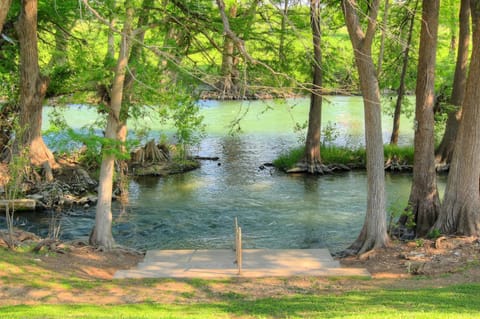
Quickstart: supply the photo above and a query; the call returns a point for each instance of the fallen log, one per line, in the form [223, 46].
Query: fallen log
[24, 204]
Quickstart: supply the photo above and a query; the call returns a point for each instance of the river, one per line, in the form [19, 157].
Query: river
[275, 210]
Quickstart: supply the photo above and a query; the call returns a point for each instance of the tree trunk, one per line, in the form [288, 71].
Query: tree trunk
[110, 55]
[128, 92]
[374, 232]
[283, 31]
[59, 56]
[4, 8]
[460, 210]
[102, 232]
[228, 70]
[313, 159]
[382, 39]
[445, 149]
[424, 200]
[33, 87]
[401, 87]
[175, 45]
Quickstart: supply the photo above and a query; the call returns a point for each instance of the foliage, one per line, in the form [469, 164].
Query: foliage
[397, 212]
[334, 154]
[403, 154]
[434, 234]
[288, 159]
[330, 133]
[389, 102]
[441, 118]
[343, 155]
[18, 168]
[187, 122]
[300, 130]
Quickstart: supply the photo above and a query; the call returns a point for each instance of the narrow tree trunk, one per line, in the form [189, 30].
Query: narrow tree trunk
[382, 39]
[461, 206]
[33, 87]
[4, 8]
[401, 87]
[110, 34]
[102, 232]
[175, 44]
[374, 232]
[59, 56]
[424, 200]
[445, 149]
[283, 31]
[313, 158]
[128, 90]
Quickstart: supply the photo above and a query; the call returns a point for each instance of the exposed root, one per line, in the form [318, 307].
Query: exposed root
[317, 168]
[151, 153]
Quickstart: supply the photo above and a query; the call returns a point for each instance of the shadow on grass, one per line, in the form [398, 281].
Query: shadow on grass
[459, 301]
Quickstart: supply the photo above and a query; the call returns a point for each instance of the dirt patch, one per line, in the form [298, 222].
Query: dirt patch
[444, 255]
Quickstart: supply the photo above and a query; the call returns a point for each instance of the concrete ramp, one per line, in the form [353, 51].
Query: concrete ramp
[221, 263]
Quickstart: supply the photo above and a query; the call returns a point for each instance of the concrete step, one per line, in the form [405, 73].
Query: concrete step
[252, 258]
[246, 273]
[222, 263]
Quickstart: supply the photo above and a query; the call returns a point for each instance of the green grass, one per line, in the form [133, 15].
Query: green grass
[459, 301]
[344, 155]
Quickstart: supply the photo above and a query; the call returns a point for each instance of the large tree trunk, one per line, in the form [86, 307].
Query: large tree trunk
[102, 232]
[461, 206]
[313, 159]
[401, 87]
[445, 149]
[33, 87]
[4, 8]
[374, 232]
[424, 201]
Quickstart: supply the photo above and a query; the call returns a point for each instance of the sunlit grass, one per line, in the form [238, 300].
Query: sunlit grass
[456, 301]
[452, 302]
[355, 157]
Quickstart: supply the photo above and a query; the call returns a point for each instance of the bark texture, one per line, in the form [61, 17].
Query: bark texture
[313, 158]
[374, 232]
[33, 87]
[386, 7]
[102, 232]
[4, 7]
[283, 30]
[424, 201]
[401, 87]
[445, 149]
[460, 213]
[229, 71]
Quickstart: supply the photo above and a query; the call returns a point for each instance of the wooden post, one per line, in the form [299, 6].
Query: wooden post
[238, 246]
[239, 251]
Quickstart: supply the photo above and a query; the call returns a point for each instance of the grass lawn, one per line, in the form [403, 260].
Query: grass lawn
[457, 301]
[78, 284]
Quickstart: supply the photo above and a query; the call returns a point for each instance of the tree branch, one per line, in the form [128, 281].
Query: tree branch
[228, 31]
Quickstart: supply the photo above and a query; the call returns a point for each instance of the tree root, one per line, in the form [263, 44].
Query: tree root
[317, 168]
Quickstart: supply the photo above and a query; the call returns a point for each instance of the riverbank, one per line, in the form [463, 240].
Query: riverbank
[397, 158]
[74, 274]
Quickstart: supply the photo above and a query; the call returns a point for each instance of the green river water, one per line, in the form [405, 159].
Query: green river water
[275, 210]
